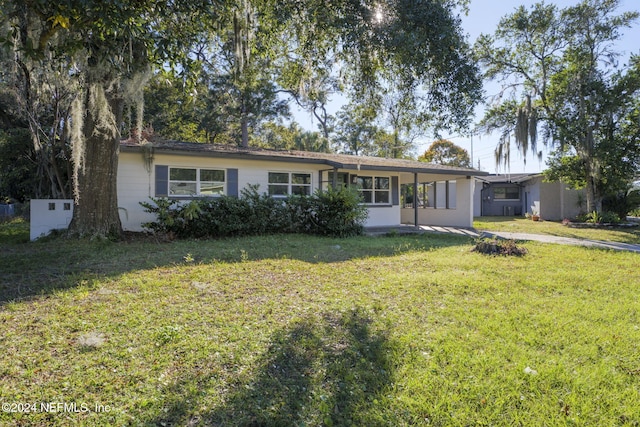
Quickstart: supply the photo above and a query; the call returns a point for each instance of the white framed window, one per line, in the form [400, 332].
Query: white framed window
[196, 182]
[375, 190]
[285, 183]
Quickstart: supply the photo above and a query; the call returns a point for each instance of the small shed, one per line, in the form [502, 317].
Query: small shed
[521, 193]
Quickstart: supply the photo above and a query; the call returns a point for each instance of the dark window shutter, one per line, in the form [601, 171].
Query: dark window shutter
[395, 196]
[232, 182]
[162, 181]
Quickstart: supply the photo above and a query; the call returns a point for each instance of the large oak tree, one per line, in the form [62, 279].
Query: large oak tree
[110, 49]
[561, 73]
[107, 49]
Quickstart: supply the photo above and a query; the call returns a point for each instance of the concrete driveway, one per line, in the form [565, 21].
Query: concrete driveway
[544, 238]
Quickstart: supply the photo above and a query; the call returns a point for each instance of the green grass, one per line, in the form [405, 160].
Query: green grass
[555, 228]
[295, 330]
[15, 230]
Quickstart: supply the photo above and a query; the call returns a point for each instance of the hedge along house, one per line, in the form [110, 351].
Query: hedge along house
[185, 171]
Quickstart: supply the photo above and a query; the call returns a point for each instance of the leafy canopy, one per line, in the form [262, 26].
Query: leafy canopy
[445, 152]
[559, 72]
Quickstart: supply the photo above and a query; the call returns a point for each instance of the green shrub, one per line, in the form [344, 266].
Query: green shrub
[301, 211]
[331, 213]
[265, 214]
[610, 218]
[593, 217]
[622, 203]
[166, 212]
[602, 218]
[337, 212]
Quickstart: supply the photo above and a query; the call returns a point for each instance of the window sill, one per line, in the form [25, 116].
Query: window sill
[427, 208]
[196, 197]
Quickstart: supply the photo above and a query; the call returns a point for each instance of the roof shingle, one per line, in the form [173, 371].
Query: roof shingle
[341, 161]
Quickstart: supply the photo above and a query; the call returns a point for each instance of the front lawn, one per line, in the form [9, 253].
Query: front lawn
[14, 230]
[555, 228]
[298, 330]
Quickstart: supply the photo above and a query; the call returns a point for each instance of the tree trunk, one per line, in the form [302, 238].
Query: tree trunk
[594, 201]
[244, 125]
[96, 202]
[244, 121]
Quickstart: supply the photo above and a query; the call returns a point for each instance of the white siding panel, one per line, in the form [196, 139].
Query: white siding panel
[134, 186]
[383, 216]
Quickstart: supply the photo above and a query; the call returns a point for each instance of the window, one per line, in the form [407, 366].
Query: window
[441, 195]
[285, 183]
[438, 195]
[453, 195]
[211, 182]
[196, 182]
[506, 193]
[375, 189]
[342, 180]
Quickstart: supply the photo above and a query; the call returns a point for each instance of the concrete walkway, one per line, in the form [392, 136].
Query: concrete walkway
[410, 229]
[544, 238]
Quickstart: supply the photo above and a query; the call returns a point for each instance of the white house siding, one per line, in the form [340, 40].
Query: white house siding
[460, 216]
[551, 200]
[573, 202]
[557, 201]
[136, 184]
[383, 216]
[477, 199]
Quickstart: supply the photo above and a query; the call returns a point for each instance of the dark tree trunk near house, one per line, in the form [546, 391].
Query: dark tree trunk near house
[244, 120]
[244, 126]
[96, 205]
[594, 200]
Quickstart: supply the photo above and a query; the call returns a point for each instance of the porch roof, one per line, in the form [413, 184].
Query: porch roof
[338, 161]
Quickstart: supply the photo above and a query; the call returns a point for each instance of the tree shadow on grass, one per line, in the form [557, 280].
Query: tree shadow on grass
[41, 268]
[329, 370]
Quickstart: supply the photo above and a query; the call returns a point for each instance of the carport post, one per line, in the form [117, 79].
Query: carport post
[415, 198]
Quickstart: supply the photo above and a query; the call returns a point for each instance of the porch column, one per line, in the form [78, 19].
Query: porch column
[415, 199]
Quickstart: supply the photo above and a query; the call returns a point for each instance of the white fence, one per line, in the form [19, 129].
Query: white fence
[48, 215]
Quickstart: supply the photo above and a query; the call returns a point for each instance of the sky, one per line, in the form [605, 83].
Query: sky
[483, 17]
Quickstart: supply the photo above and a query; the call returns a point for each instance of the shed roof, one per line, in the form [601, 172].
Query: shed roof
[339, 161]
[515, 178]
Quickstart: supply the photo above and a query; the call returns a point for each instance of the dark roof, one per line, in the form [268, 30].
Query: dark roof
[515, 178]
[340, 161]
